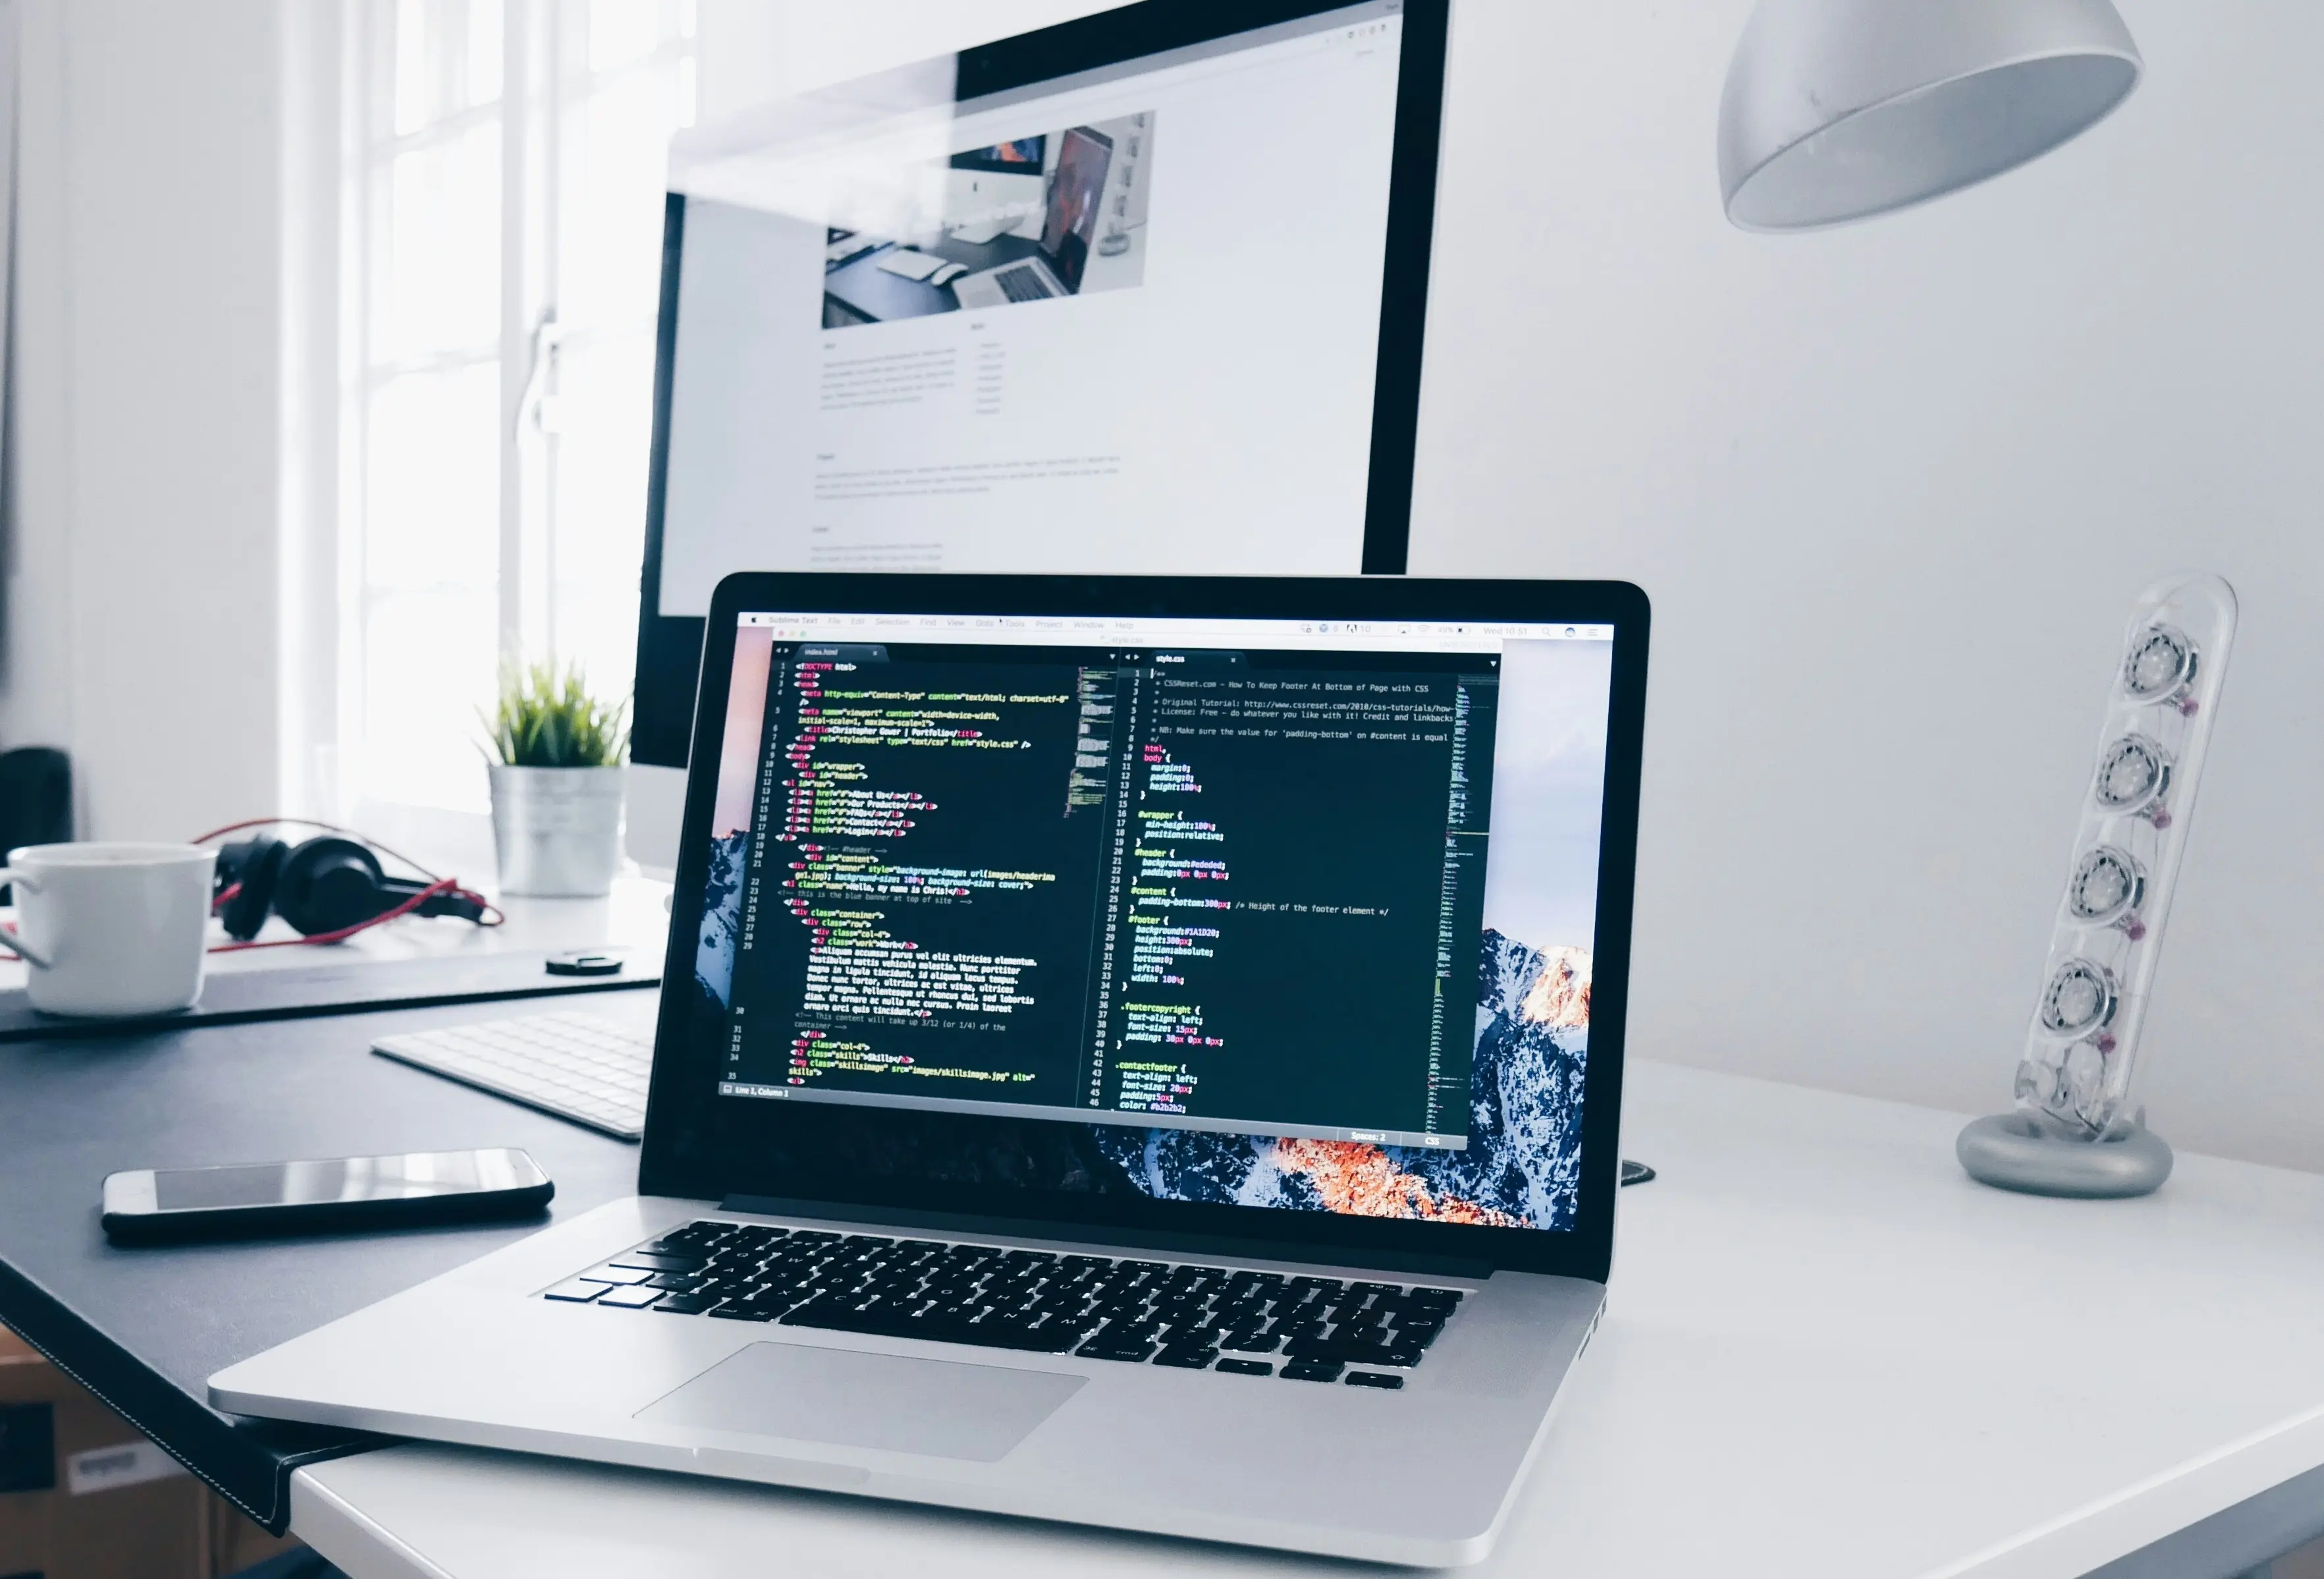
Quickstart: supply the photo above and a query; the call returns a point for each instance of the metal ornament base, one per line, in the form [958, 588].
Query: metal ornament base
[2011, 1152]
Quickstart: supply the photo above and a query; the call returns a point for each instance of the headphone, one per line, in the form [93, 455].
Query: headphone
[326, 888]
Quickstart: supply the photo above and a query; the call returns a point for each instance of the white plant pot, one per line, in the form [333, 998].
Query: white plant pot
[557, 831]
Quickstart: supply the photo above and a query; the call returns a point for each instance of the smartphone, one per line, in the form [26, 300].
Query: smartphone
[149, 1206]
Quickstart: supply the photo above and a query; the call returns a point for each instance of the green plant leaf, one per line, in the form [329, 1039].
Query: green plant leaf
[547, 718]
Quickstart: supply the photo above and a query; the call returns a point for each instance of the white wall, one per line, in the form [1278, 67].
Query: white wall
[1893, 489]
[141, 608]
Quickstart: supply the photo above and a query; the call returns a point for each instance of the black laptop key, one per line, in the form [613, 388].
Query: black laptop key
[1131, 1354]
[699, 1232]
[1373, 1379]
[685, 1304]
[1186, 1359]
[1357, 1350]
[1245, 1367]
[1116, 1343]
[639, 1260]
[742, 1310]
[1312, 1370]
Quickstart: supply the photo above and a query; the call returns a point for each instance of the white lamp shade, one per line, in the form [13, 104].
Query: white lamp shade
[1838, 109]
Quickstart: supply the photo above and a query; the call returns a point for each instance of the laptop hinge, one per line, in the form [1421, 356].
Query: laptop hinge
[1161, 1242]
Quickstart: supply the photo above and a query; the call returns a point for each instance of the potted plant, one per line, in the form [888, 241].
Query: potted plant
[556, 786]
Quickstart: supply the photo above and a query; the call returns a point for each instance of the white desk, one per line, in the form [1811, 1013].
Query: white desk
[633, 917]
[1827, 1354]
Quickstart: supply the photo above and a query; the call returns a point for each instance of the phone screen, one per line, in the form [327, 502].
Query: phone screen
[342, 1178]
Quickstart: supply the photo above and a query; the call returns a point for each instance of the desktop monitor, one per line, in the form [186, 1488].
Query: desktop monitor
[1139, 293]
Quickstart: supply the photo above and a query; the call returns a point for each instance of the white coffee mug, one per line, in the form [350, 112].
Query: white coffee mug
[111, 928]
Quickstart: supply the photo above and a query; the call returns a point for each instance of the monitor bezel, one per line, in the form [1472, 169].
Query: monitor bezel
[692, 1149]
[669, 646]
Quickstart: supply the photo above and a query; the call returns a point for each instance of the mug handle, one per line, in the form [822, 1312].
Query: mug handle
[21, 880]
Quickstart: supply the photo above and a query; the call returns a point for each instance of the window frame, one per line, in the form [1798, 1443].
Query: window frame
[546, 87]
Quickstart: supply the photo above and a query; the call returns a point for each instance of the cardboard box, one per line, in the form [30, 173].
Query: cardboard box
[237, 1542]
[84, 1496]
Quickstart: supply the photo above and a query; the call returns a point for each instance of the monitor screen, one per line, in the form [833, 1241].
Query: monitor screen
[1265, 912]
[1089, 304]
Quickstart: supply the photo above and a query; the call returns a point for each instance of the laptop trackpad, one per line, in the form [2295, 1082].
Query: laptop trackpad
[852, 1400]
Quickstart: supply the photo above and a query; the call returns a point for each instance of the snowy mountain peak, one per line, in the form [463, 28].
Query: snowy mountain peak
[1559, 994]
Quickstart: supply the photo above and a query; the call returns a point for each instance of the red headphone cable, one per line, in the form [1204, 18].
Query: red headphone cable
[494, 915]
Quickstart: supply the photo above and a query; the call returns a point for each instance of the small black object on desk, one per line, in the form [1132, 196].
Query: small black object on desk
[144, 1329]
[586, 961]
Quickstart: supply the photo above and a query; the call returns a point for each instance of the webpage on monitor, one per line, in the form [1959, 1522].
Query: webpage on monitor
[1126, 323]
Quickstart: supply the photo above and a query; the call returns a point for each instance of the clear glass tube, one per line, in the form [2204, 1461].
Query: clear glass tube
[2081, 1049]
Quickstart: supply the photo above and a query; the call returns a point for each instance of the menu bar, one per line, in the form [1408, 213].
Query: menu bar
[1086, 630]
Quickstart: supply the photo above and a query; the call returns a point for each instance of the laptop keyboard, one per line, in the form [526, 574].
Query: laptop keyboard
[1022, 284]
[1137, 1312]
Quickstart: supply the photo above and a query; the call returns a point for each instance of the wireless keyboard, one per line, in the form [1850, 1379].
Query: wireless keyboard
[589, 1067]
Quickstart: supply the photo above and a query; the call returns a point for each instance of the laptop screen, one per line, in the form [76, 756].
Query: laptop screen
[1265, 912]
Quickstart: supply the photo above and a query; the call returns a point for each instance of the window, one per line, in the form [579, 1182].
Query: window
[505, 192]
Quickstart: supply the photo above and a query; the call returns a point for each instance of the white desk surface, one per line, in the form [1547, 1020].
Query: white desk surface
[1827, 1354]
[632, 916]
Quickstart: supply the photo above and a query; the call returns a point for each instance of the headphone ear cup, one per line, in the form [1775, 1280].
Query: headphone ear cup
[327, 884]
[256, 864]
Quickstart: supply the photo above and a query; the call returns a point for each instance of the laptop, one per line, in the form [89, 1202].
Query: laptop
[1077, 191]
[1137, 1051]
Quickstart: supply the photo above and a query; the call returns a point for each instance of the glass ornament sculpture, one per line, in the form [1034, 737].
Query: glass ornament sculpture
[2075, 1131]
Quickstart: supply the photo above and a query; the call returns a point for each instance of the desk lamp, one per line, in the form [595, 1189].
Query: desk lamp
[1840, 109]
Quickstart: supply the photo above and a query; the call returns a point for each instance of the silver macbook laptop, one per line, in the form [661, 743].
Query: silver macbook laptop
[1138, 1052]
[1076, 187]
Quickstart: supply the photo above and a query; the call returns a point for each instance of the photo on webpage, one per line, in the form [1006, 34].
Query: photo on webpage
[1038, 218]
